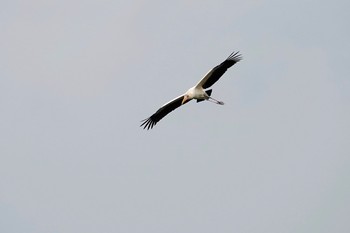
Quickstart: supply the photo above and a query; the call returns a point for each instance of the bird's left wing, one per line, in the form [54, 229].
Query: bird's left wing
[214, 74]
[162, 112]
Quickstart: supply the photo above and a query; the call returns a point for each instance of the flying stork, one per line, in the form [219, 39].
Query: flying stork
[197, 92]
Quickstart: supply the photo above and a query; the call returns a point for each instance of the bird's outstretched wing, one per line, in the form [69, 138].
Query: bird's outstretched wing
[162, 112]
[214, 74]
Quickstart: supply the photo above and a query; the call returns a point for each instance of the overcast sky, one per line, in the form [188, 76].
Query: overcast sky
[76, 78]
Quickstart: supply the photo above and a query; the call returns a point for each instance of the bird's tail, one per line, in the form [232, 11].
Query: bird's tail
[208, 93]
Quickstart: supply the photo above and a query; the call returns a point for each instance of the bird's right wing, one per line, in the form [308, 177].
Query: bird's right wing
[162, 112]
[214, 74]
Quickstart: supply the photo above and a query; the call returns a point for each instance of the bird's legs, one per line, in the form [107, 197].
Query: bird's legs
[211, 99]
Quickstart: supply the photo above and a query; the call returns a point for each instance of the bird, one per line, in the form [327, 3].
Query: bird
[200, 92]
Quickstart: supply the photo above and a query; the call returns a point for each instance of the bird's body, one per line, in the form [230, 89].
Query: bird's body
[197, 92]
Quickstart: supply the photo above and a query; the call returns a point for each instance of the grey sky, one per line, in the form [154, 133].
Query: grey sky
[78, 76]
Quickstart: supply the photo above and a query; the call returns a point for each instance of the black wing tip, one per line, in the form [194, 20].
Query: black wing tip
[148, 123]
[235, 56]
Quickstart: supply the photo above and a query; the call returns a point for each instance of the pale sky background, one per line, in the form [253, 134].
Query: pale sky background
[76, 78]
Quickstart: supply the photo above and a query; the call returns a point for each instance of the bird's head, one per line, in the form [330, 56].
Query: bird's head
[186, 97]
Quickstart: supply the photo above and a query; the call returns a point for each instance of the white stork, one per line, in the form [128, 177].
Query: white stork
[197, 92]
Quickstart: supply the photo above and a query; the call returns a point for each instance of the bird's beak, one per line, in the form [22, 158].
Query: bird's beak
[184, 100]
